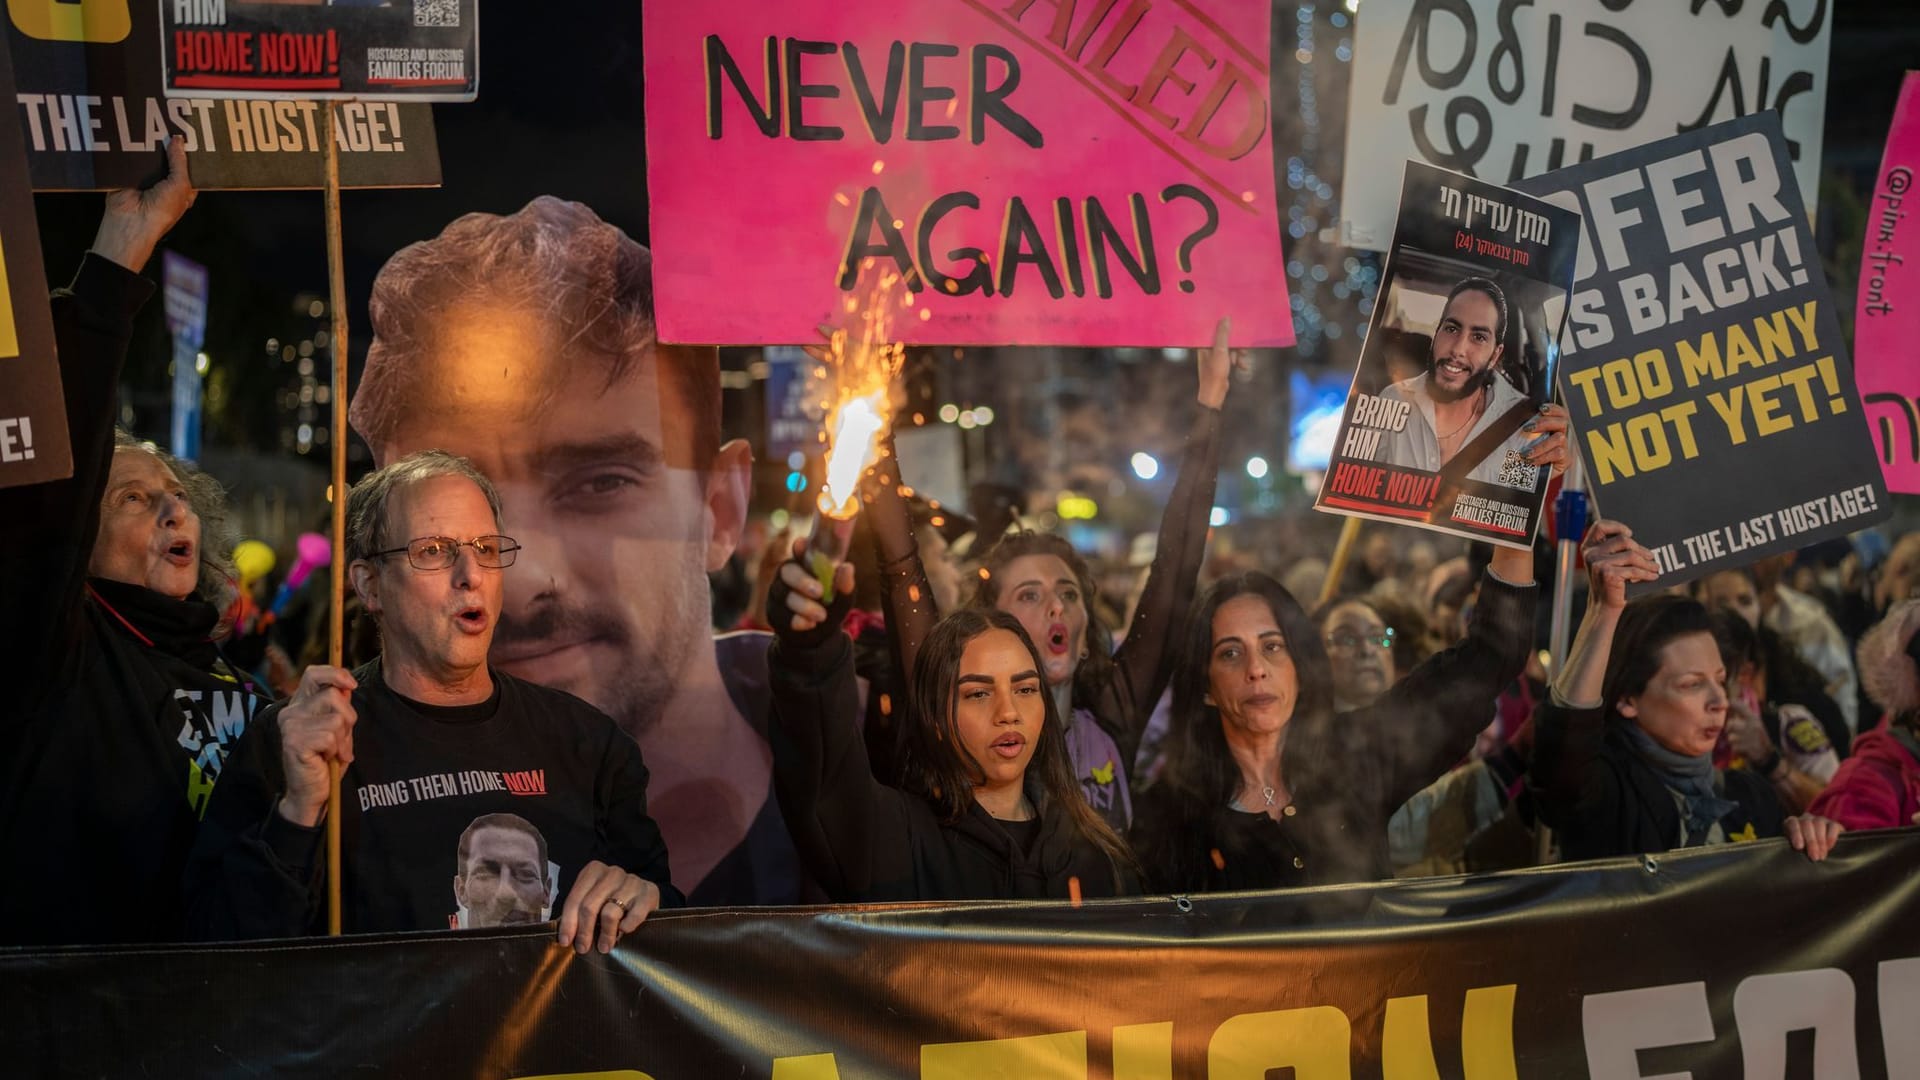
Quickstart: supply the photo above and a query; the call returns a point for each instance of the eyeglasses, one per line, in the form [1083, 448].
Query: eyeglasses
[1347, 640]
[441, 552]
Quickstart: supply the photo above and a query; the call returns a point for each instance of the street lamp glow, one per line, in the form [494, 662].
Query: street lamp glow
[983, 416]
[1144, 466]
[201, 362]
[1219, 517]
[1257, 467]
[968, 421]
[949, 413]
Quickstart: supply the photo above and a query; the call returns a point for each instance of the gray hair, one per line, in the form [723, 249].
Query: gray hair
[367, 502]
[218, 582]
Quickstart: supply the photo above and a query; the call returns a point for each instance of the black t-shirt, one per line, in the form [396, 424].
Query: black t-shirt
[459, 816]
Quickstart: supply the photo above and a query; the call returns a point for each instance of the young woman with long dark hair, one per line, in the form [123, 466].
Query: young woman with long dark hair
[987, 806]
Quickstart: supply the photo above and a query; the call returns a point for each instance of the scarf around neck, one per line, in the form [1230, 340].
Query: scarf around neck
[1691, 778]
[181, 628]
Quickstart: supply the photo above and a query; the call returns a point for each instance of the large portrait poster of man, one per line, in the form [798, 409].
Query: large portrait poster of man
[1459, 357]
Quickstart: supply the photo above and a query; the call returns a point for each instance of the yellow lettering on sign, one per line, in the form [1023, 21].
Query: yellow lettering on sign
[1036, 1057]
[1143, 1052]
[1313, 1042]
[1406, 1046]
[807, 1067]
[1486, 1034]
[1486, 1037]
[100, 21]
[9, 337]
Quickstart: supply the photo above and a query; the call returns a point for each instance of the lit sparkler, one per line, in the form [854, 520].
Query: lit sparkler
[858, 377]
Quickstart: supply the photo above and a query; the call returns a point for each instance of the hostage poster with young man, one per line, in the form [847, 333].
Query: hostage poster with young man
[1459, 359]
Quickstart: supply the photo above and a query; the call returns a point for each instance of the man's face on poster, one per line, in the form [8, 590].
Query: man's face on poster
[1465, 345]
[609, 597]
[504, 881]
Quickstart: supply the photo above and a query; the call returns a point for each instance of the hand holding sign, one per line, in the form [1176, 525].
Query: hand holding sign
[1613, 561]
[1217, 365]
[135, 220]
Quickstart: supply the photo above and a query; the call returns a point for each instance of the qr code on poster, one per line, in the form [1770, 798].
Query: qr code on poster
[436, 12]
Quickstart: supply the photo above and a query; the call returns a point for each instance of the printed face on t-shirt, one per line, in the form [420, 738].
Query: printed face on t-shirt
[504, 880]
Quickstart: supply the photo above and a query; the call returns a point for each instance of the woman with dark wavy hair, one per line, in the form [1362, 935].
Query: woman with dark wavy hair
[1266, 785]
[987, 807]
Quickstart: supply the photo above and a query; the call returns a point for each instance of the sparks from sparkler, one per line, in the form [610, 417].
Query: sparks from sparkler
[856, 387]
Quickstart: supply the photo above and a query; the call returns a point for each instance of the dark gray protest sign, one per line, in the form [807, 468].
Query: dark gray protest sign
[1712, 395]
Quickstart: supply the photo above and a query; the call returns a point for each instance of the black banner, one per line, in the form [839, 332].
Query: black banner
[1738, 961]
[33, 415]
[1709, 385]
[90, 103]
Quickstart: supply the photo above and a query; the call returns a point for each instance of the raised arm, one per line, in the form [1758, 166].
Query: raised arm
[1143, 663]
[1570, 728]
[851, 831]
[906, 597]
[1427, 722]
[45, 548]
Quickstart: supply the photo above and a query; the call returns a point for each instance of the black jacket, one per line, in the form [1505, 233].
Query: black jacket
[1347, 772]
[864, 841]
[1601, 799]
[121, 713]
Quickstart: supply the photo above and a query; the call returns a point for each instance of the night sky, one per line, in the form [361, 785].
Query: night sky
[560, 112]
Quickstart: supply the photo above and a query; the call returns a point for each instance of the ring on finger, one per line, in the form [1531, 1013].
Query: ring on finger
[619, 903]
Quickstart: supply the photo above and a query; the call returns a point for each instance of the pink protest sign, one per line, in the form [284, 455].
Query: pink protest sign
[1886, 333]
[1030, 173]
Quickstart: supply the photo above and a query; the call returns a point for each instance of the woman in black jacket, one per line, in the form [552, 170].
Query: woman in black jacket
[987, 809]
[1623, 750]
[111, 584]
[1266, 785]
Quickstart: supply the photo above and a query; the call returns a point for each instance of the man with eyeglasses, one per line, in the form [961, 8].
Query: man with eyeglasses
[434, 741]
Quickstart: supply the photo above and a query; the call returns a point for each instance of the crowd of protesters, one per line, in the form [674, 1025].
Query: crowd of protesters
[533, 715]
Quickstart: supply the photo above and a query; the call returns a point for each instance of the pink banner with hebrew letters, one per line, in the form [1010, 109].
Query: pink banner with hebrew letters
[1886, 336]
[1026, 172]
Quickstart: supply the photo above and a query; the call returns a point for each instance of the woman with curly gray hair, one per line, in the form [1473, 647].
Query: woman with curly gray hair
[1879, 786]
[111, 587]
